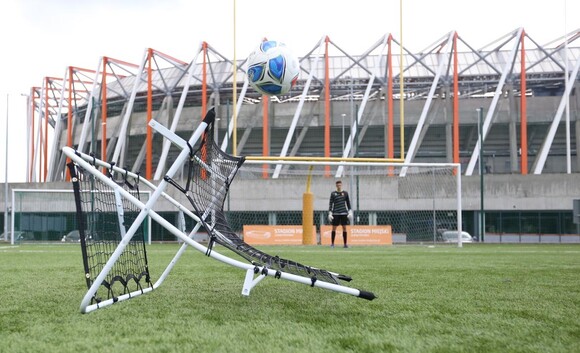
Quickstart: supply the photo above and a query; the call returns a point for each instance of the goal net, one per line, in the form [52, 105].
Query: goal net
[419, 202]
[31, 221]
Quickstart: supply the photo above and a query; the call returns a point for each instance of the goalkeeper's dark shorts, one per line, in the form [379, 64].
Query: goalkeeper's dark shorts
[340, 220]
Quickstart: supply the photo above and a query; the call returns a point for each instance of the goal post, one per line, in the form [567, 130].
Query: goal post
[32, 221]
[308, 236]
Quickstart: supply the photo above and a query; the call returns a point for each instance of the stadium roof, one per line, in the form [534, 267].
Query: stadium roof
[478, 72]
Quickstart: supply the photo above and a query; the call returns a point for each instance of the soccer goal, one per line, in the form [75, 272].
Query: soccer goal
[31, 221]
[419, 202]
[111, 217]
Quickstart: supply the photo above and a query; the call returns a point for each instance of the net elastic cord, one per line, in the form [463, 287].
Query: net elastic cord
[135, 184]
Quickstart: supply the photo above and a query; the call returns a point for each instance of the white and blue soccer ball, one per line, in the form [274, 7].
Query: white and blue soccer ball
[272, 68]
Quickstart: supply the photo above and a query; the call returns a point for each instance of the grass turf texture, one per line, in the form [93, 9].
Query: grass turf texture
[480, 298]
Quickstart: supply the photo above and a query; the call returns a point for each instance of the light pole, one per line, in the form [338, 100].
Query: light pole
[482, 209]
[351, 137]
[215, 131]
[343, 115]
[6, 177]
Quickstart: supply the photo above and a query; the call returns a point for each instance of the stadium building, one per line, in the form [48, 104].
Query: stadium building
[507, 113]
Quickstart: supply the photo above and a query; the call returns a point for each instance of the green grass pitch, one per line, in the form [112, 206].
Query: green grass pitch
[479, 298]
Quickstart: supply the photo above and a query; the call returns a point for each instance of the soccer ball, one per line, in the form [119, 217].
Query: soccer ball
[272, 68]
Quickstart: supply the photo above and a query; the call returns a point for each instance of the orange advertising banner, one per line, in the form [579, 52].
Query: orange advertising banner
[274, 235]
[358, 235]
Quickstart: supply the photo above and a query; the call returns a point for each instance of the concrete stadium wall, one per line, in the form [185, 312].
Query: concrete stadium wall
[502, 192]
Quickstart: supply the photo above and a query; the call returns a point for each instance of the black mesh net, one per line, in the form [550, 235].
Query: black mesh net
[210, 173]
[103, 217]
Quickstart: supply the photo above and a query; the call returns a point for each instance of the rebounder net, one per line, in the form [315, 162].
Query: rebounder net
[210, 174]
[102, 217]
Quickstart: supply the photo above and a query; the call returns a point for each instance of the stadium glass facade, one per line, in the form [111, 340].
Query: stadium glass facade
[45, 226]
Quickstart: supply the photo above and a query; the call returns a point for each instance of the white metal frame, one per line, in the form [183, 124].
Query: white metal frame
[252, 277]
[507, 69]
[296, 116]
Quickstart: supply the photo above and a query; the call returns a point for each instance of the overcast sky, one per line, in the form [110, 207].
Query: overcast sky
[41, 38]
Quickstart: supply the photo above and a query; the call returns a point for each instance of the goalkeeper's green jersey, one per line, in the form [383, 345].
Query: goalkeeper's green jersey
[339, 203]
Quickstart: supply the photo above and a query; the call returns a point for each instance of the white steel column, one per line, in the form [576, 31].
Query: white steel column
[55, 150]
[299, 108]
[37, 151]
[88, 121]
[491, 111]
[125, 122]
[361, 109]
[413, 147]
[166, 143]
[543, 154]
[230, 130]
[355, 124]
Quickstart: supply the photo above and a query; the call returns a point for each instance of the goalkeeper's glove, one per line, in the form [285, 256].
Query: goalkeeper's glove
[330, 218]
[350, 217]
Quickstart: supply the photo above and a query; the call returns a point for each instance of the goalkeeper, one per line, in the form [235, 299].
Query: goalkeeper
[339, 212]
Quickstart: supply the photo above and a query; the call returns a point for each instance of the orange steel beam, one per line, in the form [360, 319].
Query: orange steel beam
[121, 62]
[36, 91]
[203, 102]
[524, 111]
[80, 69]
[171, 57]
[85, 82]
[41, 146]
[76, 68]
[149, 154]
[204, 81]
[104, 112]
[52, 88]
[326, 105]
[50, 79]
[78, 91]
[69, 119]
[104, 74]
[45, 149]
[455, 102]
[390, 121]
[265, 134]
[31, 166]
